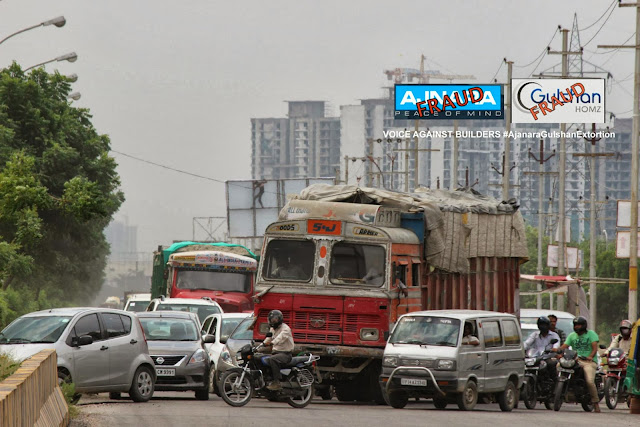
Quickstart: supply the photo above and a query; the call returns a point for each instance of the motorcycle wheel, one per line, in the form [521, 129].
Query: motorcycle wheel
[530, 398]
[558, 396]
[301, 401]
[610, 395]
[232, 391]
[548, 404]
[587, 406]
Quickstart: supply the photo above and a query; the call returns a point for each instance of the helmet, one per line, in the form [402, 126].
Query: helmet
[626, 325]
[275, 318]
[580, 325]
[544, 324]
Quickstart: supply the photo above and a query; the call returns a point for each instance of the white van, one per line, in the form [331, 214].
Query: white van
[137, 302]
[454, 356]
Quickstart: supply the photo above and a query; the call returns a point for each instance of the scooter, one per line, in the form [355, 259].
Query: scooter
[614, 390]
[571, 385]
[238, 385]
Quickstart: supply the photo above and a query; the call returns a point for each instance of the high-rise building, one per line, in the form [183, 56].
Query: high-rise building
[305, 144]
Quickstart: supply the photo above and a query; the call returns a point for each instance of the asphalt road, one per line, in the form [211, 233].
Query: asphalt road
[181, 409]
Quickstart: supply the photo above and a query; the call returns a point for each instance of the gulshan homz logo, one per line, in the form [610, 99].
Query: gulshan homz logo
[449, 102]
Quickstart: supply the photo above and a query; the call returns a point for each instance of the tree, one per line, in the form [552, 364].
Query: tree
[58, 190]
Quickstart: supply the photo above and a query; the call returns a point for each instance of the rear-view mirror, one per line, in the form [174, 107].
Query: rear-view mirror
[209, 339]
[553, 341]
[223, 339]
[81, 340]
[602, 346]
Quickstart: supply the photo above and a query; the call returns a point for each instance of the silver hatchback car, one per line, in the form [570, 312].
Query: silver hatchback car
[99, 349]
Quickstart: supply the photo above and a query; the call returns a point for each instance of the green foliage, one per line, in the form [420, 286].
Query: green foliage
[70, 395]
[8, 366]
[58, 191]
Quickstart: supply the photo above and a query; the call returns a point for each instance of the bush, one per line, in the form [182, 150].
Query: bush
[8, 365]
[70, 395]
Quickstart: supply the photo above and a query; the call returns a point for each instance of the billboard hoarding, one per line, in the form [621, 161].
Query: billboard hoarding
[623, 216]
[623, 244]
[573, 259]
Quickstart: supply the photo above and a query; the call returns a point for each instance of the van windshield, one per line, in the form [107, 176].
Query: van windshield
[426, 330]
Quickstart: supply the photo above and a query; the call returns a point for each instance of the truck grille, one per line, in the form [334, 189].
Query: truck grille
[317, 321]
[353, 322]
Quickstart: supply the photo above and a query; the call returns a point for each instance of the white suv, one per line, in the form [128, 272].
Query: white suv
[203, 307]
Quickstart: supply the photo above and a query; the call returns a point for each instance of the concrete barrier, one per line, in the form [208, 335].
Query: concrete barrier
[31, 396]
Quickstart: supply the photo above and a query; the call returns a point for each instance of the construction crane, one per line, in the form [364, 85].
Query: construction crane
[406, 75]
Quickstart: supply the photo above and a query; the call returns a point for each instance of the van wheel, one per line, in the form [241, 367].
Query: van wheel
[440, 402]
[469, 397]
[507, 399]
[398, 399]
[142, 387]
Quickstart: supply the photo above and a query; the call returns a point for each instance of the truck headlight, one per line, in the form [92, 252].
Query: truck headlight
[198, 357]
[446, 364]
[390, 361]
[369, 334]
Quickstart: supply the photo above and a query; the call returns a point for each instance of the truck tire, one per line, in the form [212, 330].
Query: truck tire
[345, 392]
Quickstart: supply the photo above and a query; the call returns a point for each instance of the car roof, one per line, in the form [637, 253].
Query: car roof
[138, 297]
[167, 314]
[72, 311]
[459, 314]
[192, 301]
[531, 312]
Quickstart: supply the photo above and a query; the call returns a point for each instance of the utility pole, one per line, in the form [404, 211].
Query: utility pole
[541, 160]
[507, 142]
[633, 243]
[502, 171]
[592, 221]
[466, 179]
[454, 159]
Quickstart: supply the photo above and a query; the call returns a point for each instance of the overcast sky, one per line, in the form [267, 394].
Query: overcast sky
[176, 82]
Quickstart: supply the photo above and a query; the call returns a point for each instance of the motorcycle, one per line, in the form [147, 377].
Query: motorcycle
[238, 385]
[614, 390]
[571, 385]
[540, 377]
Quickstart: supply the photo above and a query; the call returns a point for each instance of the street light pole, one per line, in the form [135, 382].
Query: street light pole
[71, 57]
[58, 21]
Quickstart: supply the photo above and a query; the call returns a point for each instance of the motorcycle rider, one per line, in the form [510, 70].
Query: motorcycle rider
[554, 321]
[542, 339]
[585, 342]
[282, 342]
[623, 339]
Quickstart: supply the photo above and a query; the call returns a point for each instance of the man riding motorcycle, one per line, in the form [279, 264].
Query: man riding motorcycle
[623, 339]
[542, 339]
[585, 342]
[282, 342]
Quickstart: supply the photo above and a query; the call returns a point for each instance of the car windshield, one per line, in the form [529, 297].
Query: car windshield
[426, 330]
[167, 329]
[203, 311]
[289, 260]
[564, 324]
[214, 280]
[38, 329]
[229, 325]
[244, 331]
[137, 306]
[357, 264]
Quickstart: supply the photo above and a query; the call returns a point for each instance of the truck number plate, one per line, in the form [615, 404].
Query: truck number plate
[165, 372]
[413, 381]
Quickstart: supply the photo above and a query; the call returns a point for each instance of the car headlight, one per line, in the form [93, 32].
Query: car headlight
[446, 364]
[390, 361]
[198, 357]
[567, 363]
[530, 361]
[225, 355]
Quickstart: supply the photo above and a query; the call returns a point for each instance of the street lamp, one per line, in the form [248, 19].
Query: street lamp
[75, 96]
[71, 57]
[72, 78]
[58, 21]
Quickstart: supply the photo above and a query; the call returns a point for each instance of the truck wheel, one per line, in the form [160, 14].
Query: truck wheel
[345, 392]
[397, 399]
[324, 392]
[469, 397]
[508, 398]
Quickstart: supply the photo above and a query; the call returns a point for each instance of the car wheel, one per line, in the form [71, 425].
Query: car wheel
[469, 397]
[397, 399]
[64, 377]
[143, 385]
[440, 402]
[212, 379]
[114, 395]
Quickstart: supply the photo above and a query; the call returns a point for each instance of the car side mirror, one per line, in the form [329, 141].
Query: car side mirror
[209, 339]
[223, 339]
[553, 341]
[81, 340]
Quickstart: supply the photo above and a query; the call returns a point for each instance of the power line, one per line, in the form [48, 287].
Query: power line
[598, 20]
[599, 29]
[499, 68]
[541, 54]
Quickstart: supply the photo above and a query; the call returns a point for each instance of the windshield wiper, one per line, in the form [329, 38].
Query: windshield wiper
[42, 342]
[410, 342]
[18, 341]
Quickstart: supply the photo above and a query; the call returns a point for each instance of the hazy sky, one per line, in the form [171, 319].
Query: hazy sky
[176, 82]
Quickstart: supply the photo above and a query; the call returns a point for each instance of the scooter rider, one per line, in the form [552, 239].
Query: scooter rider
[623, 339]
[282, 342]
[585, 342]
[542, 339]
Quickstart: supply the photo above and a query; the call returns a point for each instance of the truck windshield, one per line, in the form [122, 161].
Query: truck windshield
[426, 330]
[353, 263]
[214, 280]
[289, 260]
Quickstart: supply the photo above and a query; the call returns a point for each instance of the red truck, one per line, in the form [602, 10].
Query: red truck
[342, 263]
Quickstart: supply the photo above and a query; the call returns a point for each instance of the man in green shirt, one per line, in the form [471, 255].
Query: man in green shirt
[585, 342]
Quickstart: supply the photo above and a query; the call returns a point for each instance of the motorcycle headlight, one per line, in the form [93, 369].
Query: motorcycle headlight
[567, 364]
[530, 361]
[543, 364]
[613, 361]
[239, 359]
[198, 357]
[390, 361]
[446, 364]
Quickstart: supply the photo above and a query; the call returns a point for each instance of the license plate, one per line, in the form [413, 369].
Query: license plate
[165, 372]
[413, 381]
